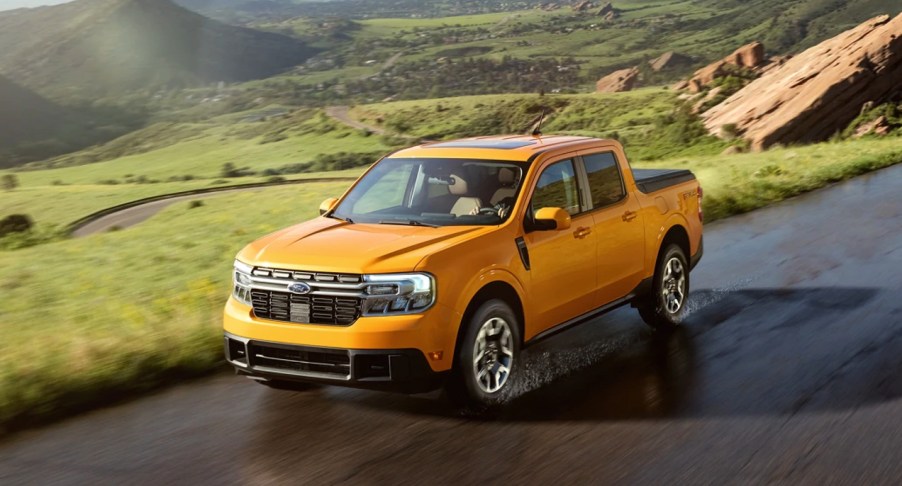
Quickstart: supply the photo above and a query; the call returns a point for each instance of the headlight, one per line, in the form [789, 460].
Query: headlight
[397, 293]
[241, 280]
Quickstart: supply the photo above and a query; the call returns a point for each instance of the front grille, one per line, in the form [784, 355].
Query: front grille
[305, 309]
[322, 361]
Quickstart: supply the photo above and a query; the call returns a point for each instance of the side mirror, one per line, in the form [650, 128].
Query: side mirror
[327, 205]
[552, 219]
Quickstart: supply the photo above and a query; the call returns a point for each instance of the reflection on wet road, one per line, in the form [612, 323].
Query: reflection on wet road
[787, 369]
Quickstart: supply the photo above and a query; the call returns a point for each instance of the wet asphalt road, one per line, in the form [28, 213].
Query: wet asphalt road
[788, 370]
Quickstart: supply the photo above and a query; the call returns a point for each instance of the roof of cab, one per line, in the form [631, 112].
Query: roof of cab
[516, 148]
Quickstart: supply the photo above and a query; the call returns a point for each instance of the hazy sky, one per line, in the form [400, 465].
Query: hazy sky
[11, 4]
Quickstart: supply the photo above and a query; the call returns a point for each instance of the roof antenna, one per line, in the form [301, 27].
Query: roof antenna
[537, 131]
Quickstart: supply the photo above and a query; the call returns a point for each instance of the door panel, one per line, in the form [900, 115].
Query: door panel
[618, 225]
[621, 249]
[562, 273]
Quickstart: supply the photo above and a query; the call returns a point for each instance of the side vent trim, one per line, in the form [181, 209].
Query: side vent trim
[524, 252]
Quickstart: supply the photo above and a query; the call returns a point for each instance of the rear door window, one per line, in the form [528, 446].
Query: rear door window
[605, 181]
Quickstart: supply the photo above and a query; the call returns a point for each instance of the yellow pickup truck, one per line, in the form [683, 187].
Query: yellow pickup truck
[443, 261]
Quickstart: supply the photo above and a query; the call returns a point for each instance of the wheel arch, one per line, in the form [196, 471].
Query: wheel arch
[496, 289]
[677, 234]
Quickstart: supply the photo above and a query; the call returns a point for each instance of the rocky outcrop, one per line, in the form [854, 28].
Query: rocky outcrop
[622, 80]
[820, 91]
[583, 6]
[749, 56]
[880, 126]
[669, 60]
[608, 12]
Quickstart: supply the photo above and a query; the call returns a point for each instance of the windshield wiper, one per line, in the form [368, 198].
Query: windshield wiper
[346, 220]
[409, 222]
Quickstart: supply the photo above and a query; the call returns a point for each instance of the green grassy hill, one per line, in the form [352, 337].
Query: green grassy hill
[647, 121]
[103, 47]
[368, 57]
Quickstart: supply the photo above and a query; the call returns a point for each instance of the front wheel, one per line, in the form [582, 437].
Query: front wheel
[487, 358]
[665, 306]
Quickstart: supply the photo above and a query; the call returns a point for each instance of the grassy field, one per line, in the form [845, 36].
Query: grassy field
[60, 205]
[154, 311]
[153, 314]
[201, 155]
[641, 33]
[740, 183]
[642, 119]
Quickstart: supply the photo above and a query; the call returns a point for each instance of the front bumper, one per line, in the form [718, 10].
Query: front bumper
[401, 370]
[432, 332]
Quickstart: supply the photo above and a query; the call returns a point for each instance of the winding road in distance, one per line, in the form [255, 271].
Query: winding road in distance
[788, 369]
[131, 215]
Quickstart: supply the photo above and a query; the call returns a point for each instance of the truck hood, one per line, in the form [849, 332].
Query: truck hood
[328, 245]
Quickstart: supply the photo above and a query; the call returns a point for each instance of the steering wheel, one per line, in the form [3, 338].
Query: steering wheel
[490, 211]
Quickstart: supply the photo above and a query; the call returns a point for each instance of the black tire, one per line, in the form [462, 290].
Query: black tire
[657, 308]
[286, 385]
[468, 386]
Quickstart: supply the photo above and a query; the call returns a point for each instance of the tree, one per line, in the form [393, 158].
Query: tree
[9, 182]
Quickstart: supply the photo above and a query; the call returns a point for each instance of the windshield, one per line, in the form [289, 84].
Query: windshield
[433, 192]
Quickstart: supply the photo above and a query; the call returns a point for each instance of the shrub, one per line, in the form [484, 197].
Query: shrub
[15, 223]
[730, 130]
[195, 204]
[9, 182]
[229, 170]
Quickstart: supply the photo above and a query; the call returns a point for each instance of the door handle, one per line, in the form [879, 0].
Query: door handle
[582, 232]
[629, 216]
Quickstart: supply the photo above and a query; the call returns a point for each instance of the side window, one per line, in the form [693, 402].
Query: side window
[557, 188]
[605, 182]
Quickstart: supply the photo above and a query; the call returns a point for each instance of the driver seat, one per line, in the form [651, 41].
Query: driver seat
[466, 203]
[507, 181]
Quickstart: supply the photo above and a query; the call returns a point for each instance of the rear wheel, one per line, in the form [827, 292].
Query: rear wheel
[664, 307]
[487, 358]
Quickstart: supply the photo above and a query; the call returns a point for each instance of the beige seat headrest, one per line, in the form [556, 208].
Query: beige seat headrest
[458, 186]
[507, 177]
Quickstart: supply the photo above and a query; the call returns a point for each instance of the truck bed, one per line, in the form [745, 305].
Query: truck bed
[653, 180]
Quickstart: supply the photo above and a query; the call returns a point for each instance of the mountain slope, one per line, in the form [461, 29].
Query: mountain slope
[110, 46]
[34, 127]
[787, 26]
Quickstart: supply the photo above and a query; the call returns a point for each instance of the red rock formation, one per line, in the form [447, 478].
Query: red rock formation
[880, 126]
[669, 60]
[820, 91]
[748, 56]
[622, 80]
[608, 12]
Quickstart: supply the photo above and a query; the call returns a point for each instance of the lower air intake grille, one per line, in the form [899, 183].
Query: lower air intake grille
[329, 362]
[305, 309]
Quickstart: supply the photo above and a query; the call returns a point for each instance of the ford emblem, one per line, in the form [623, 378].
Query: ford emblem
[299, 288]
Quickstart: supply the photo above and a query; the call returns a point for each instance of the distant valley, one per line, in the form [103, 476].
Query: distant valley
[110, 67]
